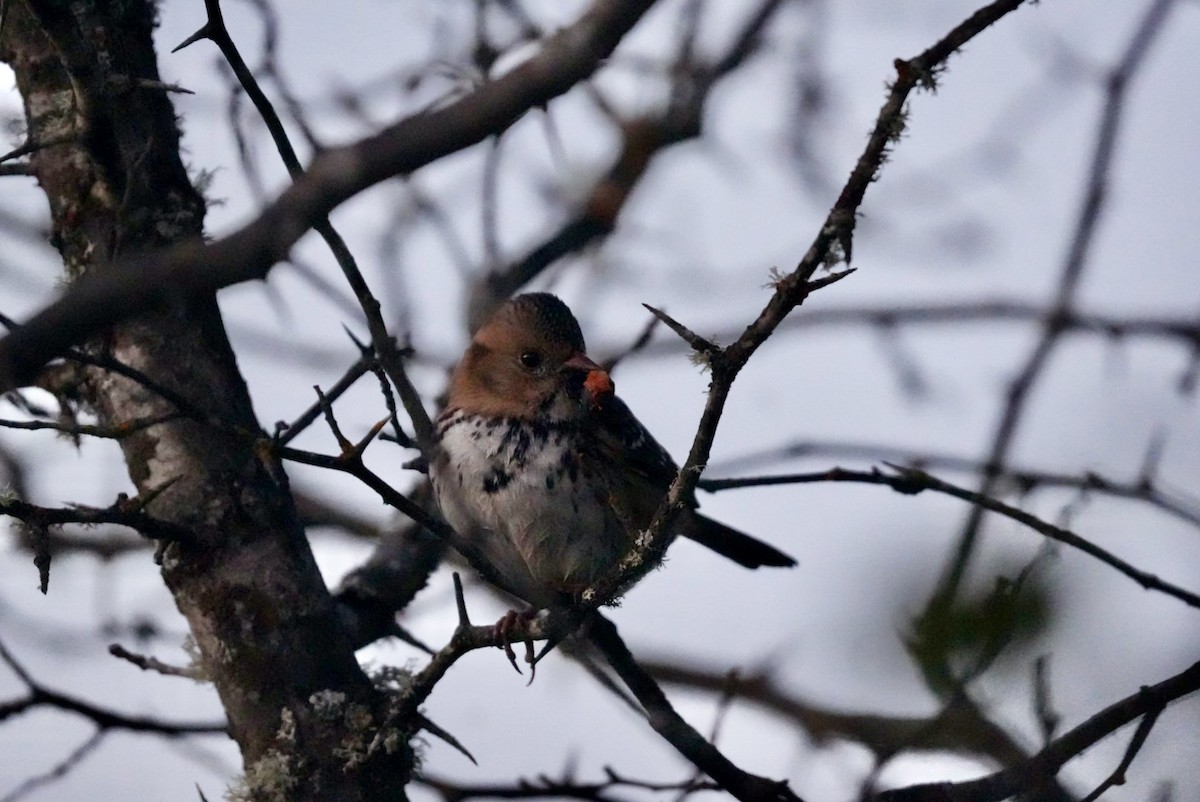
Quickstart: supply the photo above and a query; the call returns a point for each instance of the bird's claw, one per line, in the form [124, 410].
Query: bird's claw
[504, 628]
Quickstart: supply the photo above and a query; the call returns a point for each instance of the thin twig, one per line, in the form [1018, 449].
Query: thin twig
[1074, 264]
[40, 696]
[194, 269]
[147, 663]
[1043, 766]
[911, 481]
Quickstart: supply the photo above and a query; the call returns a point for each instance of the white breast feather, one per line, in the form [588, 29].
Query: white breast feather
[528, 527]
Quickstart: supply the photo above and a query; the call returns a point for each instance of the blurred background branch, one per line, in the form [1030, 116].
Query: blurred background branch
[666, 153]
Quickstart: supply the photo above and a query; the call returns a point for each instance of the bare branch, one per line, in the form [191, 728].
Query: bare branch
[59, 770]
[39, 696]
[959, 728]
[642, 139]
[792, 289]
[1074, 264]
[545, 787]
[1024, 479]
[911, 481]
[146, 663]
[1030, 775]
[668, 723]
[114, 431]
[124, 511]
[1149, 719]
[113, 293]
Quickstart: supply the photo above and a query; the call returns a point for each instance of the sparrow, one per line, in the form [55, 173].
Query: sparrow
[544, 471]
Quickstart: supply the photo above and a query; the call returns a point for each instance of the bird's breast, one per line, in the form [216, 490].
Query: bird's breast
[525, 491]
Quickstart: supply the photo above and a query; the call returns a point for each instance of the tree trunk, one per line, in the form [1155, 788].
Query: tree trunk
[107, 157]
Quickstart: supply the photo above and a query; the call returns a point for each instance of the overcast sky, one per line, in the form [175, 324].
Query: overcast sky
[979, 201]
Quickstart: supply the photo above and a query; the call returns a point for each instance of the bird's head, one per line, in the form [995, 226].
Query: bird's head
[529, 360]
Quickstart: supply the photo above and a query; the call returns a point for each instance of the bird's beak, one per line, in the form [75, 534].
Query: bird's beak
[580, 361]
[598, 386]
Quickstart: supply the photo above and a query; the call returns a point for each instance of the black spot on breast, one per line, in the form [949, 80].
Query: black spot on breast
[549, 481]
[497, 480]
[539, 430]
[569, 467]
[522, 438]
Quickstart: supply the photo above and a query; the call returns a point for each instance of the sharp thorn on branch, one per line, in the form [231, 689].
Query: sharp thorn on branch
[203, 33]
[364, 349]
[419, 464]
[464, 620]
[438, 732]
[698, 343]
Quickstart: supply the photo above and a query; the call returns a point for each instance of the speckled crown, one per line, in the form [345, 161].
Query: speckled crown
[550, 317]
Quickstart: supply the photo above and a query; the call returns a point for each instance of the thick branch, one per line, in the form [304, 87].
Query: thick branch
[193, 269]
[671, 726]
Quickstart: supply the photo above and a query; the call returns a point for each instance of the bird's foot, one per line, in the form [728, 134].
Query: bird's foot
[504, 628]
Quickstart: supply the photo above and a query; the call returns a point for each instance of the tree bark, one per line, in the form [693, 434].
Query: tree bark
[107, 157]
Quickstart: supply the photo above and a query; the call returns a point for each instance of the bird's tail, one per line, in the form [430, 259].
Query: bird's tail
[737, 546]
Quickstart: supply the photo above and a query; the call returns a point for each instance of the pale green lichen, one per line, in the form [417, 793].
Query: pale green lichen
[391, 679]
[393, 741]
[355, 720]
[356, 745]
[775, 278]
[287, 727]
[197, 666]
[328, 705]
[835, 256]
[268, 779]
[702, 359]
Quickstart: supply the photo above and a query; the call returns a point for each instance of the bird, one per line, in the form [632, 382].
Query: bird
[544, 472]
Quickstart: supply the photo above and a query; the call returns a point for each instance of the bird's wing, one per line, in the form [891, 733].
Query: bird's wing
[624, 441]
[645, 473]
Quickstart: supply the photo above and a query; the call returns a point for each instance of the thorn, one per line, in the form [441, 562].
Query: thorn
[436, 731]
[914, 480]
[464, 620]
[22, 150]
[419, 464]
[832, 278]
[1152, 458]
[403, 634]
[697, 342]
[364, 349]
[203, 33]
[371, 435]
[146, 83]
[139, 502]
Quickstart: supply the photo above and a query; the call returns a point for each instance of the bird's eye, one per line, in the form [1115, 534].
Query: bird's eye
[531, 359]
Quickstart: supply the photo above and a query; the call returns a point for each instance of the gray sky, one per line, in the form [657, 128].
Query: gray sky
[979, 201]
